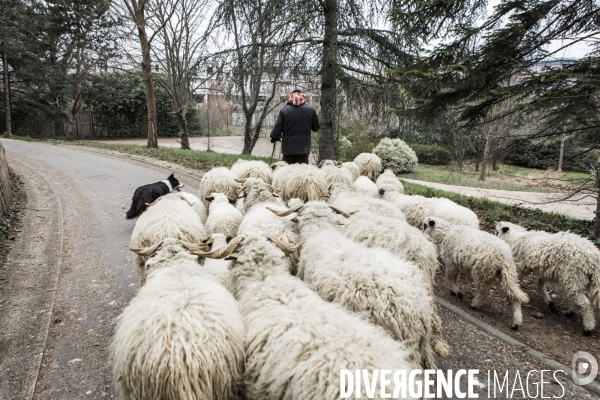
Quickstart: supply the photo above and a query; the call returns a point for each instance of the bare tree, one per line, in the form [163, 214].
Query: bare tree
[181, 45]
[140, 12]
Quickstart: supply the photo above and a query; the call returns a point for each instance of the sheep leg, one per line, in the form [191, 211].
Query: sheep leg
[587, 312]
[517, 315]
[483, 292]
[573, 309]
[541, 288]
[452, 274]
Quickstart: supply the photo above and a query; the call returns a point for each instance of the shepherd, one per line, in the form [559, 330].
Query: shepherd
[294, 123]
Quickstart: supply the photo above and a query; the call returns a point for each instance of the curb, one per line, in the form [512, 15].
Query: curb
[593, 386]
[27, 326]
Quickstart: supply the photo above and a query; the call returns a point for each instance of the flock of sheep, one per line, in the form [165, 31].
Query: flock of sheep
[281, 276]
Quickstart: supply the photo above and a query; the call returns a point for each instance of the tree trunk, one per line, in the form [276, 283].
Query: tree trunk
[486, 154]
[477, 166]
[185, 129]
[72, 126]
[495, 164]
[597, 219]
[328, 81]
[147, 71]
[561, 154]
[8, 125]
[248, 142]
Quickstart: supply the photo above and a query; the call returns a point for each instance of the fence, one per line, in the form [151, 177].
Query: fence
[5, 193]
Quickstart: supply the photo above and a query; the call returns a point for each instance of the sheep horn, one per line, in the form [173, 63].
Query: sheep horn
[319, 165]
[274, 189]
[287, 250]
[224, 251]
[246, 175]
[284, 213]
[194, 246]
[338, 211]
[187, 200]
[144, 251]
[239, 180]
[154, 202]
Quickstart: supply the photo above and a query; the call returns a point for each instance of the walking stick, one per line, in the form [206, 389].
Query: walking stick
[272, 153]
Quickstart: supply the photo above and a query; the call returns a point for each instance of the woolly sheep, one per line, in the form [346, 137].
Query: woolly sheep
[302, 181]
[277, 168]
[297, 343]
[182, 335]
[337, 175]
[259, 198]
[564, 258]
[366, 186]
[369, 165]
[196, 204]
[243, 169]
[353, 168]
[416, 208]
[223, 216]
[389, 178]
[391, 292]
[169, 217]
[485, 257]
[346, 198]
[406, 242]
[218, 180]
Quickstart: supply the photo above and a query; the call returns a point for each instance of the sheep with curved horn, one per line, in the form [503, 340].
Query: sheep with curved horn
[244, 169]
[389, 291]
[289, 325]
[218, 180]
[181, 336]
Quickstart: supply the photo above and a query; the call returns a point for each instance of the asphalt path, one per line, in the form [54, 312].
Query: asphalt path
[96, 280]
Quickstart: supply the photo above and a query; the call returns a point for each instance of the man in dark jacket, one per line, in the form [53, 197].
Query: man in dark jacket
[294, 124]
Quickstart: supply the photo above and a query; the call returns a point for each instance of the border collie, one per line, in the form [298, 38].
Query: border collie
[149, 193]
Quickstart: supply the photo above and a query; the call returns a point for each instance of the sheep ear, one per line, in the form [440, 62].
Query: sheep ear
[228, 239]
[144, 251]
[432, 223]
[232, 201]
[209, 199]
[273, 166]
[295, 219]
[505, 229]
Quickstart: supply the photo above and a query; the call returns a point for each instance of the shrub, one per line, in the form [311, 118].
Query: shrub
[432, 154]
[396, 155]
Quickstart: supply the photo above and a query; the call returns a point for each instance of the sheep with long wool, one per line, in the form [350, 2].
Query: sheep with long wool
[243, 169]
[345, 197]
[218, 180]
[369, 165]
[416, 208]
[181, 336]
[366, 186]
[564, 258]
[303, 181]
[391, 292]
[483, 256]
[353, 168]
[218, 268]
[389, 178]
[223, 216]
[297, 343]
[171, 216]
[406, 242]
[337, 174]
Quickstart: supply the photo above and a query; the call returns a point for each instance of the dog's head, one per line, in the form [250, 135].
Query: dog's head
[175, 184]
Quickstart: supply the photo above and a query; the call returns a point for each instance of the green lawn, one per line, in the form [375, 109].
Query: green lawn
[508, 177]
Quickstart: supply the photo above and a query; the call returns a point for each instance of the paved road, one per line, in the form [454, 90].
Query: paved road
[96, 280]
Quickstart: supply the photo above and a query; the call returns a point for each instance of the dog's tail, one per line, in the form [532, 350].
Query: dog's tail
[138, 206]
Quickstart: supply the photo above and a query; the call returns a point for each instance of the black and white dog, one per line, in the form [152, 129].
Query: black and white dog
[149, 193]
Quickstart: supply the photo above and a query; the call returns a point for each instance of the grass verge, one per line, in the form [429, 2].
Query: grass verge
[10, 221]
[201, 160]
[508, 177]
[490, 211]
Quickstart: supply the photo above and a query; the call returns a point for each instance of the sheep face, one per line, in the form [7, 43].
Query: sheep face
[431, 224]
[504, 228]
[316, 216]
[160, 254]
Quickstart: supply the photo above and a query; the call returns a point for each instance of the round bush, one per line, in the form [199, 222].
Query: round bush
[432, 154]
[396, 155]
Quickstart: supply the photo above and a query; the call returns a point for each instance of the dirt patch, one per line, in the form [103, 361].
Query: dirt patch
[554, 334]
[12, 221]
